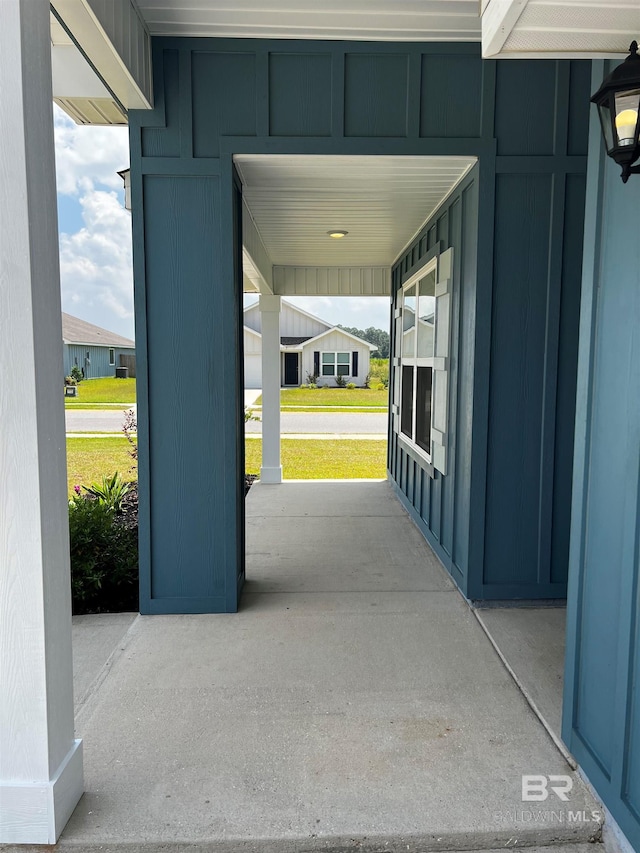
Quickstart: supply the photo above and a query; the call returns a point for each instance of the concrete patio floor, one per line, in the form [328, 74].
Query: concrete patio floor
[354, 703]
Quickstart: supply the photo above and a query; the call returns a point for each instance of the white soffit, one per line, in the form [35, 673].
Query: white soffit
[381, 201]
[114, 37]
[587, 29]
[363, 20]
[77, 89]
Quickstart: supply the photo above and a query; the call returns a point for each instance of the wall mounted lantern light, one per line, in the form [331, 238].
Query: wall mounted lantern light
[618, 102]
[125, 174]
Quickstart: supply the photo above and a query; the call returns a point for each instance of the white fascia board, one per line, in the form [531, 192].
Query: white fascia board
[255, 274]
[115, 40]
[256, 261]
[499, 17]
[252, 331]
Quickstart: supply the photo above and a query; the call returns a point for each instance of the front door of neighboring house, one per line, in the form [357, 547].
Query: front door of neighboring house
[291, 368]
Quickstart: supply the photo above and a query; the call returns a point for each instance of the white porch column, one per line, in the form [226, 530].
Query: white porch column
[271, 470]
[40, 761]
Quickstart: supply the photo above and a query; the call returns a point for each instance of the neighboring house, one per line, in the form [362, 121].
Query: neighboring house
[308, 347]
[97, 352]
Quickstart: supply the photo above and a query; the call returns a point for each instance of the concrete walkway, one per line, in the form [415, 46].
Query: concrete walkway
[354, 703]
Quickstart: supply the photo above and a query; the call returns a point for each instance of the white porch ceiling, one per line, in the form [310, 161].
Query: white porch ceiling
[381, 201]
[371, 20]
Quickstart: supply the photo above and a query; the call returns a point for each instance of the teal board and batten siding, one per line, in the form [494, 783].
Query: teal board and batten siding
[601, 722]
[75, 354]
[439, 505]
[499, 519]
[219, 97]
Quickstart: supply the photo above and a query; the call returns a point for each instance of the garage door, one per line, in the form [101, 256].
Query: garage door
[253, 371]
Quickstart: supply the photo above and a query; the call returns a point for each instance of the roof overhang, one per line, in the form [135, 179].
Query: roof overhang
[101, 58]
[557, 29]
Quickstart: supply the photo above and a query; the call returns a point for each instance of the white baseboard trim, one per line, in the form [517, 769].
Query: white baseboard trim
[271, 476]
[37, 812]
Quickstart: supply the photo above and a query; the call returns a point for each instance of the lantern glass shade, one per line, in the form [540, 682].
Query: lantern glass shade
[626, 120]
[607, 125]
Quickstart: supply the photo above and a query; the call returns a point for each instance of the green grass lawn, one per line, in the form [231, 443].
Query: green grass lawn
[303, 399]
[306, 459]
[105, 390]
[88, 459]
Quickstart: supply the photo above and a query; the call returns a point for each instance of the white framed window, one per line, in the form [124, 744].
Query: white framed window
[421, 349]
[335, 364]
[417, 327]
[112, 357]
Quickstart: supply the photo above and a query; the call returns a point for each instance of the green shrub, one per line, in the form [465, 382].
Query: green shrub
[341, 382]
[76, 374]
[351, 385]
[110, 491]
[104, 559]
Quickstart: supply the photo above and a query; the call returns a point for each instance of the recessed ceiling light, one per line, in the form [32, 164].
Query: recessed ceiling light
[337, 234]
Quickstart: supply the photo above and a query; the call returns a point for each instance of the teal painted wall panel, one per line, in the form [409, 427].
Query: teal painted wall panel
[164, 141]
[448, 108]
[525, 106]
[224, 99]
[601, 720]
[466, 318]
[631, 777]
[188, 351]
[578, 125]
[300, 94]
[440, 506]
[375, 94]
[523, 209]
[565, 392]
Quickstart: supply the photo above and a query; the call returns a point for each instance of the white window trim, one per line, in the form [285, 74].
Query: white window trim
[415, 362]
[335, 363]
[112, 363]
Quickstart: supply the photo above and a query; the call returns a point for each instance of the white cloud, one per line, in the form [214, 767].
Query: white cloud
[95, 261]
[95, 264]
[86, 156]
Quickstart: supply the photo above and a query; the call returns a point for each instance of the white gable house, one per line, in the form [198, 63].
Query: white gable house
[309, 348]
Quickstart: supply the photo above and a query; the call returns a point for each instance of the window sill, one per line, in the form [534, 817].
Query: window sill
[416, 454]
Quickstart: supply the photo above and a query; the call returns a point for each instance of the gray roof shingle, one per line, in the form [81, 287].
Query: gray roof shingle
[76, 331]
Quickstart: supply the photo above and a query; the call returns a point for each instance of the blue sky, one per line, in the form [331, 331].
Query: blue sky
[95, 236]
